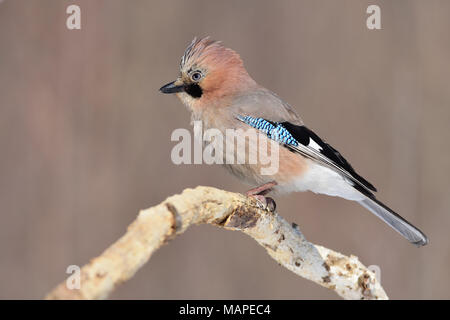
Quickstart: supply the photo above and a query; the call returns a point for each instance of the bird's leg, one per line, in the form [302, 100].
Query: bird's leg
[262, 189]
[259, 192]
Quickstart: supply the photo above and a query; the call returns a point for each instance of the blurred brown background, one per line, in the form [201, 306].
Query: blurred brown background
[85, 138]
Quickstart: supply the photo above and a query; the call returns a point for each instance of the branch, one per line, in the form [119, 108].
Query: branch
[285, 243]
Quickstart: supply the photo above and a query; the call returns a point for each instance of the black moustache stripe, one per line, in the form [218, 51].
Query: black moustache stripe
[194, 90]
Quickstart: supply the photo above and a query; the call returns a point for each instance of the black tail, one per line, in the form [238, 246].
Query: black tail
[406, 229]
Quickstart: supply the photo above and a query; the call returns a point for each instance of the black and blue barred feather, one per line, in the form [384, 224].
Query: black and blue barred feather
[274, 130]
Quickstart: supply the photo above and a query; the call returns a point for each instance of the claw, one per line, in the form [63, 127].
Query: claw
[264, 203]
[258, 194]
[271, 204]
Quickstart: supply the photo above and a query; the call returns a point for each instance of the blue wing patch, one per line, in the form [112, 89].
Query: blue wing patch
[274, 130]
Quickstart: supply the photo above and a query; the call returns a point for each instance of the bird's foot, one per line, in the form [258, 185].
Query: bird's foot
[264, 203]
[258, 193]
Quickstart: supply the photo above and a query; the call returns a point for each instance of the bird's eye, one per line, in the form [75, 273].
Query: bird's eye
[196, 76]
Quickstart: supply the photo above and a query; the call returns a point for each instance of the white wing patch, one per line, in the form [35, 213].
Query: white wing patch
[314, 145]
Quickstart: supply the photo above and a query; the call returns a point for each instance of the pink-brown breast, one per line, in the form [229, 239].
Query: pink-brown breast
[290, 166]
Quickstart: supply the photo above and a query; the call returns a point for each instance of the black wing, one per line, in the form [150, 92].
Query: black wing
[304, 136]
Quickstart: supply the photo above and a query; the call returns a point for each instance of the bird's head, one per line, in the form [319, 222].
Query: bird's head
[209, 72]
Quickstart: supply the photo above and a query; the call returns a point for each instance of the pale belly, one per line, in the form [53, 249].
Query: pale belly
[320, 179]
[297, 174]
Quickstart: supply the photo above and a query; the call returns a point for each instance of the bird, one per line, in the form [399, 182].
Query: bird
[216, 88]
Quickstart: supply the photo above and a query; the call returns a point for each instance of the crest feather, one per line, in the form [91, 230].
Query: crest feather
[201, 48]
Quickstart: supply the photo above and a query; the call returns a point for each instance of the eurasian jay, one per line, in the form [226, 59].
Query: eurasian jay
[217, 89]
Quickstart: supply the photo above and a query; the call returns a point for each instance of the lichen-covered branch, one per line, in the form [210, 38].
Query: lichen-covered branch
[285, 243]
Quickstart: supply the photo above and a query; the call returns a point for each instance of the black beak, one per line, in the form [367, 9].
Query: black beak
[171, 88]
